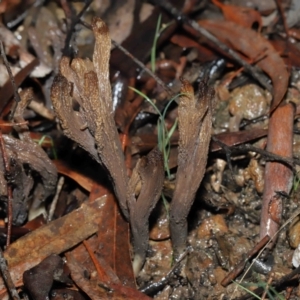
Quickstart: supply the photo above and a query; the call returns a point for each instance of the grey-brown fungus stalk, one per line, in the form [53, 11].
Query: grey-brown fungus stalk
[148, 178]
[194, 124]
[92, 125]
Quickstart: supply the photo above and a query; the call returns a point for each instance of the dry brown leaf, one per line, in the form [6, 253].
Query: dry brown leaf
[92, 125]
[258, 49]
[100, 290]
[54, 238]
[194, 125]
[244, 16]
[113, 235]
[91, 288]
[83, 180]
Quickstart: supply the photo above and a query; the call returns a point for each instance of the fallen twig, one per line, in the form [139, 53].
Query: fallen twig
[240, 266]
[6, 164]
[155, 287]
[278, 176]
[74, 21]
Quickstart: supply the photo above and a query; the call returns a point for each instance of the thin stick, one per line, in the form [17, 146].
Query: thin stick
[59, 187]
[229, 150]
[23, 15]
[143, 66]
[9, 189]
[252, 70]
[102, 275]
[13, 124]
[155, 287]
[269, 282]
[241, 265]
[74, 22]
[12, 79]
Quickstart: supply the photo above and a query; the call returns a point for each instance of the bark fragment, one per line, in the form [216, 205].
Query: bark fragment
[194, 124]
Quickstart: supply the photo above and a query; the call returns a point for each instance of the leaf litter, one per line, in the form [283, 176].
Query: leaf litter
[171, 222]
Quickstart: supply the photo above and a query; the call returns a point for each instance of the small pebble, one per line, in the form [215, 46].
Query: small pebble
[294, 234]
[214, 224]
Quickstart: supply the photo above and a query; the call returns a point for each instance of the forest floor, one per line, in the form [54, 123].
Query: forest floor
[169, 172]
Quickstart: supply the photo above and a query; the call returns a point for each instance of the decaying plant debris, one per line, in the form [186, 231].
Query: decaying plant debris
[149, 174]
[24, 152]
[92, 126]
[97, 134]
[186, 175]
[195, 124]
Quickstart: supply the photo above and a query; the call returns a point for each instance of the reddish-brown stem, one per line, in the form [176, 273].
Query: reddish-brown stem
[278, 177]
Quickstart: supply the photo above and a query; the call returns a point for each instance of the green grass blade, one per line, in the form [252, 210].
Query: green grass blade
[172, 130]
[247, 290]
[41, 141]
[153, 49]
[168, 105]
[147, 99]
[166, 205]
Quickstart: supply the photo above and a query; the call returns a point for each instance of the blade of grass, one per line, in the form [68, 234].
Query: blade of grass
[171, 131]
[153, 49]
[246, 290]
[163, 134]
[40, 142]
[147, 99]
